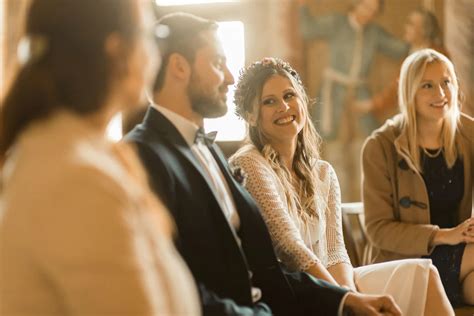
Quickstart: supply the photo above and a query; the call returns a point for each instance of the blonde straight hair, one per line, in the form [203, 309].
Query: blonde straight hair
[411, 74]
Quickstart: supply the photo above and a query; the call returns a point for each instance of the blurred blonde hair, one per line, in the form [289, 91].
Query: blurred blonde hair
[411, 74]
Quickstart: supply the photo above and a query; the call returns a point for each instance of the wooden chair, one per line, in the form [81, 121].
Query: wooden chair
[355, 236]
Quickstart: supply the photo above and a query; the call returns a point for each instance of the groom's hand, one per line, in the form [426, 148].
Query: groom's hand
[371, 305]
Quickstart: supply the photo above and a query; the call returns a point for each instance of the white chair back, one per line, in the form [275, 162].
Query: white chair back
[355, 235]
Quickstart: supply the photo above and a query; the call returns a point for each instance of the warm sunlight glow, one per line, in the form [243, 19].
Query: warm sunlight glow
[230, 127]
[183, 2]
[114, 129]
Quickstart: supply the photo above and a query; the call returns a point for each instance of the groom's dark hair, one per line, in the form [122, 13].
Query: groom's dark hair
[179, 33]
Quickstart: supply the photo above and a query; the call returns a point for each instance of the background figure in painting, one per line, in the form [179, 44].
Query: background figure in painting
[299, 197]
[80, 231]
[421, 31]
[458, 25]
[418, 176]
[353, 41]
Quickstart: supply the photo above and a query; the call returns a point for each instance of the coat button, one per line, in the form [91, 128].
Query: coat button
[402, 164]
[405, 202]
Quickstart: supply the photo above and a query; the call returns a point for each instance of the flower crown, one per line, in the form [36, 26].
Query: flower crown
[245, 91]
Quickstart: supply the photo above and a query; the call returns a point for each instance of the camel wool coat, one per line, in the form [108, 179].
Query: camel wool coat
[397, 213]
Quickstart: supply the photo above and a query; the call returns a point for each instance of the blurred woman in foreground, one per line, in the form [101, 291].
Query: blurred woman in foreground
[80, 232]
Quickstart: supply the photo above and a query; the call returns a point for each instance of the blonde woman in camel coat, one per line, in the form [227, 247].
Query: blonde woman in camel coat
[417, 176]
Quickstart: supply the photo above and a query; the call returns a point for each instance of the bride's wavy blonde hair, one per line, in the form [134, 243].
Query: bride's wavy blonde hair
[247, 100]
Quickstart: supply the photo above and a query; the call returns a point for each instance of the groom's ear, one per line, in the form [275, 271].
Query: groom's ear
[179, 67]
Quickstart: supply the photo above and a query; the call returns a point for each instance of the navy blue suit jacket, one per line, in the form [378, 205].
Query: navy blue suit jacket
[206, 241]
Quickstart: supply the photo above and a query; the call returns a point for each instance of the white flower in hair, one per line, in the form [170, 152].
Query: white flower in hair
[31, 48]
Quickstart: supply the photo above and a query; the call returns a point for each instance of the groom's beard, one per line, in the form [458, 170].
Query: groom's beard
[209, 104]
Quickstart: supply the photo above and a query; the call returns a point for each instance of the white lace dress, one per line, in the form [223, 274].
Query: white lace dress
[301, 243]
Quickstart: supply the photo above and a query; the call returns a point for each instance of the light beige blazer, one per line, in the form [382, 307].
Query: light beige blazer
[79, 234]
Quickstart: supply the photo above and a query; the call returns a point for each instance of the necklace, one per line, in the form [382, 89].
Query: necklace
[432, 155]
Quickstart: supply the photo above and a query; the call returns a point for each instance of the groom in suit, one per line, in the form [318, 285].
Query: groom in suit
[220, 232]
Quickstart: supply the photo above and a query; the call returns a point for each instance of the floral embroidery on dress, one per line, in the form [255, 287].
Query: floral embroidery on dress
[239, 175]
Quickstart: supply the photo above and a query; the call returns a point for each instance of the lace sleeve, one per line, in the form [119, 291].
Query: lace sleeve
[263, 186]
[337, 252]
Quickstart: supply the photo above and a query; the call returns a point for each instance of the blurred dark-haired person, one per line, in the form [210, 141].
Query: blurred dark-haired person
[418, 176]
[80, 231]
[222, 236]
[354, 39]
[422, 30]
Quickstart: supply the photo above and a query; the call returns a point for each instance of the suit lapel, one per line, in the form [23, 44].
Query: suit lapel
[225, 170]
[157, 122]
[238, 191]
[254, 233]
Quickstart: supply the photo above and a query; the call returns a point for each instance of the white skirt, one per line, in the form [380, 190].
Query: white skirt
[405, 280]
